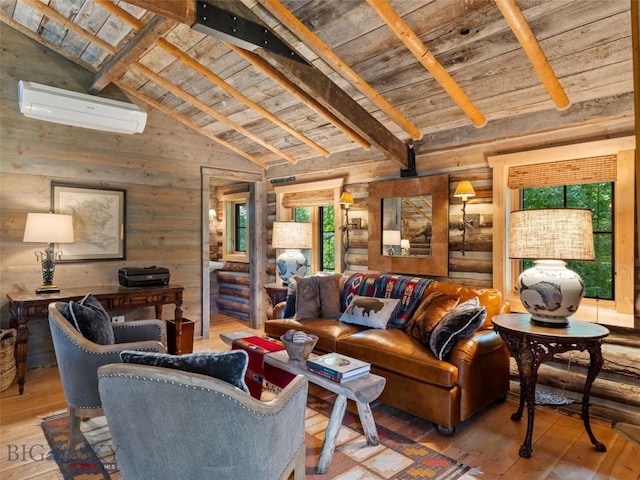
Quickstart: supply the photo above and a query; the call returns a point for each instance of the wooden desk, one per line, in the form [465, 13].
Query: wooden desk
[25, 306]
[532, 344]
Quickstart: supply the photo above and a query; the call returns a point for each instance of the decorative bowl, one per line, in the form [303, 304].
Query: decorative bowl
[299, 350]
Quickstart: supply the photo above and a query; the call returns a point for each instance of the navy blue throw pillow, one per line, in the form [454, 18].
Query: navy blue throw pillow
[91, 319]
[230, 366]
[460, 323]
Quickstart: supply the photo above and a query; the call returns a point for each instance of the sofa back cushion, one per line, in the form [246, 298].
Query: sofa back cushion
[491, 298]
[409, 290]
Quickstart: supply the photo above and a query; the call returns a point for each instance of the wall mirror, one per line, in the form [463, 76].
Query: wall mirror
[409, 225]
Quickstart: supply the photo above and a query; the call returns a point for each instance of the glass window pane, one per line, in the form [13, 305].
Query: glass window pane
[597, 275]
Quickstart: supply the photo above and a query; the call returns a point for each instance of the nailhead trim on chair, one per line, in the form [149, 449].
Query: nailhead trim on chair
[191, 387]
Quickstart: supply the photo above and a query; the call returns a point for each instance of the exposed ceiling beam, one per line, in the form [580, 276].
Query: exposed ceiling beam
[187, 97]
[266, 68]
[117, 66]
[427, 59]
[275, 8]
[309, 79]
[55, 16]
[183, 11]
[54, 47]
[188, 123]
[514, 17]
[201, 69]
[70, 25]
[317, 85]
[216, 80]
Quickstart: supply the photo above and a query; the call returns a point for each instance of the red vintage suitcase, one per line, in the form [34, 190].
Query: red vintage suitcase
[259, 375]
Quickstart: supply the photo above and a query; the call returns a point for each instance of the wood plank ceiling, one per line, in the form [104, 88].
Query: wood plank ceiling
[374, 74]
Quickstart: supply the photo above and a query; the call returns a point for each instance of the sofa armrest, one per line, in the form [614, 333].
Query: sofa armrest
[482, 342]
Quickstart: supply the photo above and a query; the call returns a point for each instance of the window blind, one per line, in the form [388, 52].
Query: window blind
[568, 172]
[313, 198]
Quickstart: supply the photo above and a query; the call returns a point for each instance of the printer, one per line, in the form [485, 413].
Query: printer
[143, 276]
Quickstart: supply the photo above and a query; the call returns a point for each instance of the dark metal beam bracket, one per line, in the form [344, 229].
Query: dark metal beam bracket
[239, 31]
[410, 171]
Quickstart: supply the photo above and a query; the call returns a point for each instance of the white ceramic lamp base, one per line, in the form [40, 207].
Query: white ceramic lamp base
[550, 292]
[290, 263]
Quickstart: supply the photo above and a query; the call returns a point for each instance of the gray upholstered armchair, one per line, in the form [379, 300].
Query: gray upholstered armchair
[78, 361]
[170, 424]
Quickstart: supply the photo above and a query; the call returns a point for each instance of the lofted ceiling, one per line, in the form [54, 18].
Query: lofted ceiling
[376, 76]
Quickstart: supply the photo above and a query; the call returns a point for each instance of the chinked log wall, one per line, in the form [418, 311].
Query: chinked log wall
[616, 392]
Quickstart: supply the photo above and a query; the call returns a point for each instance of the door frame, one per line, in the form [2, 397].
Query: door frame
[257, 243]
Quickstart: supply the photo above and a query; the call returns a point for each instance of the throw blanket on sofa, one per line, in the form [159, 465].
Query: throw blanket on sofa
[407, 289]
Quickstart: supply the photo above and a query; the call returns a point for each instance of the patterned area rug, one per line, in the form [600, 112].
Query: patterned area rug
[396, 457]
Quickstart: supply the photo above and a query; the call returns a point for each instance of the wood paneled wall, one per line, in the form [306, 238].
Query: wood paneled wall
[159, 169]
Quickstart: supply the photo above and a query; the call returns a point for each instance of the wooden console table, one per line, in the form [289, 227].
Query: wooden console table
[532, 344]
[25, 306]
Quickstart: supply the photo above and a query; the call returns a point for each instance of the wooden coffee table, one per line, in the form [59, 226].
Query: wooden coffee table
[362, 390]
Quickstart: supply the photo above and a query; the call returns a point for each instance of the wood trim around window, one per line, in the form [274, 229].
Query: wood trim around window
[292, 192]
[620, 312]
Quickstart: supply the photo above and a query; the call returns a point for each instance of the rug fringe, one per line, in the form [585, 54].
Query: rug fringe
[53, 415]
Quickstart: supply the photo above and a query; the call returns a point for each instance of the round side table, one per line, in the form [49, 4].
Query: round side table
[532, 344]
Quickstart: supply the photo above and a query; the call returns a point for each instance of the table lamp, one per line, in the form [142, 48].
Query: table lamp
[391, 239]
[48, 228]
[291, 236]
[549, 291]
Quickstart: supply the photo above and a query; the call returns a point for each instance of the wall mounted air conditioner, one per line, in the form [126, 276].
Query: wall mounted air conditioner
[78, 109]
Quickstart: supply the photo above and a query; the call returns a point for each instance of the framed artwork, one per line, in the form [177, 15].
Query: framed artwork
[98, 221]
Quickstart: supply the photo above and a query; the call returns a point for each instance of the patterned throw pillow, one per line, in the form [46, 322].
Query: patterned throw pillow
[91, 319]
[407, 289]
[229, 366]
[370, 311]
[429, 313]
[460, 323]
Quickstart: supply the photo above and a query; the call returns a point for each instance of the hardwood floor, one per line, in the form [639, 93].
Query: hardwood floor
[490, 440]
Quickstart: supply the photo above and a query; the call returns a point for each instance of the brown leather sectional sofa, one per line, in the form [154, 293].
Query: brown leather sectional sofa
[445, 392]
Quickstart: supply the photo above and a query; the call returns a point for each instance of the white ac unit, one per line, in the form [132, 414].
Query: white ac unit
[78, 109]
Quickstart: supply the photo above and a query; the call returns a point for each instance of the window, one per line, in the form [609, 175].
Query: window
[598, 276]
[240, 224]
[323, 253]
[609, 161]
[328, 238]
[236, 228]
[315, 202]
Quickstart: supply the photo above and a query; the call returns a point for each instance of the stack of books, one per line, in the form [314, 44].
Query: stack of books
[338, 367]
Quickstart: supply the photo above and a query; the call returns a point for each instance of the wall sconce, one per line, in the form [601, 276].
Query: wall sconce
[346, 200]
[464, 190]
[213, 216]
[48, 228]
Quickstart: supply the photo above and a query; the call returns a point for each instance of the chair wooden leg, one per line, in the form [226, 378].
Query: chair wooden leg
[74, 430]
